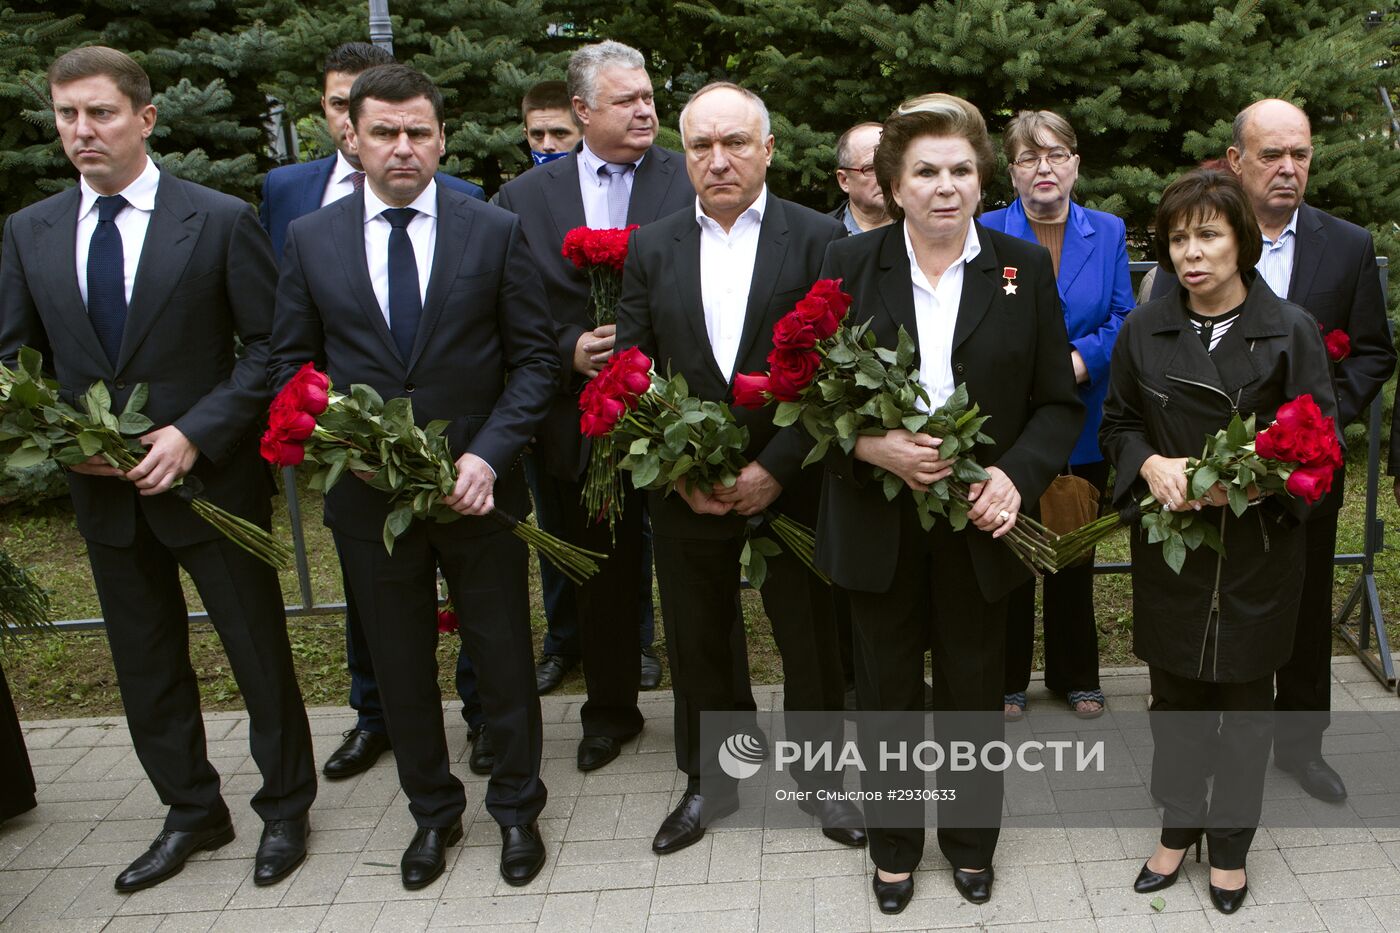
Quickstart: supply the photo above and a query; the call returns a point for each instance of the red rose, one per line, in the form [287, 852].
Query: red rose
[1300, 414]
[447, 620]
[1333, 455]
[1264, 444]
[794, 332]
[749, 389]
[1310, 483]
[1338, 345]
[307, 391]
[280, 453]
[819, 315]
[829, 291]
[298, 426]
[790, 372]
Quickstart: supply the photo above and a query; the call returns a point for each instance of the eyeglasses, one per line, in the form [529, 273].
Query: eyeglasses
[1032, 160]
[868, 171]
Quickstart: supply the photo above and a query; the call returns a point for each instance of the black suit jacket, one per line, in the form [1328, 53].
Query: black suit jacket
[483, 359]
[1011, 351]
[1335, 278]
[662, 312]
[206, 276]
[549, 204]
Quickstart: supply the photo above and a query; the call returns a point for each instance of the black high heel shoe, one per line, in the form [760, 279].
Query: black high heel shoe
[893, 896]
[1227, 901]
[1149, 880]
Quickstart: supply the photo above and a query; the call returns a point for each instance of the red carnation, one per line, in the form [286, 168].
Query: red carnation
[750, 389]
[1338, 345]
[794, 332]
[589, 247]
[790, 372]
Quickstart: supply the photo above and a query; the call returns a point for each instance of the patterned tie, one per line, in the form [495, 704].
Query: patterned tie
[405, 302]
[106, 277]
[357, 180]
[617, 191]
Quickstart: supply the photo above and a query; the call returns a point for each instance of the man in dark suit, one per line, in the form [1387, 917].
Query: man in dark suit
[702, 290]
[1329, 267]
[424, 293]
[615, 178]
[289, 192]
[134, 276]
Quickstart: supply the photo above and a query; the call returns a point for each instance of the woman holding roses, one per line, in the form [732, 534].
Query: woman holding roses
[1220, 344]
[983, 310]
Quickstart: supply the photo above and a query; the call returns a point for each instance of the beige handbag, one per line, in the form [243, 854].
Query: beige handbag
[1071, 502]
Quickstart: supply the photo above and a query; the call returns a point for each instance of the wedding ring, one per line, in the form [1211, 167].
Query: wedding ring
[1003, 515]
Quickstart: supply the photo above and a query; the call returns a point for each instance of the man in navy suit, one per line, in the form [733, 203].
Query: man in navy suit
[1328, 266]
[289, 192]
[421, 292]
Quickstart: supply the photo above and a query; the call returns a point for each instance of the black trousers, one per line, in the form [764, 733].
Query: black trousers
[699, 581]
[1193, 722]
[934, 600]
[1304, 684]
[397, 597]
[609, 604]
[16, 777]
[148, 630]
[1071, 632]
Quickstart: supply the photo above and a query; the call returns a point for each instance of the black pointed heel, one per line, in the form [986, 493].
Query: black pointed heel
[1227, 901]
[1149, 880]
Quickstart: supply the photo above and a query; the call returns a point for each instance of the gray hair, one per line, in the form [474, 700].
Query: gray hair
[588, 60]
[843, 145]
[764, 123]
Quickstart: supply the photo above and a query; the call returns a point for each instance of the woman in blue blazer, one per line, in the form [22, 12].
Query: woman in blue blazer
[1090, 256]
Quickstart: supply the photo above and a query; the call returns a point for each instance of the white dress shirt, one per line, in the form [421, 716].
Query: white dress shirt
[936, 314]
[726, 273]
[422, 232]
[341, 182]
[132, 224]
[1276, 262]
[594, 187]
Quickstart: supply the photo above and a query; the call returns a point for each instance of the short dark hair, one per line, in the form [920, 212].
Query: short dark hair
[353, 58]
[1205, 193]
[393, 83]
[843, 145]
[930, 115]
[100, 61]
[547, 95]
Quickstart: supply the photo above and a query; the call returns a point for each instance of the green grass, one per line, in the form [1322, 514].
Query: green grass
[69, 675]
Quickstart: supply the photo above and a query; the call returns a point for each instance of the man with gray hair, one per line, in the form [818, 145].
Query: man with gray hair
[617, 177]
[864, 207]
[702, 291]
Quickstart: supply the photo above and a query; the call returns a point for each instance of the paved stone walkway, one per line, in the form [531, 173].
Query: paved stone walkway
[97, 812]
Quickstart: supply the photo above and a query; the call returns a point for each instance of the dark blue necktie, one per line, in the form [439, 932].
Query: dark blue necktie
[405, 302]
[106, 277]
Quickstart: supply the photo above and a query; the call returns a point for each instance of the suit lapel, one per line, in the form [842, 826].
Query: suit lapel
[686, 267]
[896, 288]
[453, 228]
[348, 231]
[315, 189]
[1308, 248]
[563, 199]
[170, 239]
[649, 187]
[767, 267]
[981, 279]
[1078, 246]
[56, 236]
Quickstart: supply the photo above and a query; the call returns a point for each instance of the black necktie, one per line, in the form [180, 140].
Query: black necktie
[405, 302]
[106, 277]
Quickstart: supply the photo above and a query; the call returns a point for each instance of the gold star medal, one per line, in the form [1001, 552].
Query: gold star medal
[1009, 273]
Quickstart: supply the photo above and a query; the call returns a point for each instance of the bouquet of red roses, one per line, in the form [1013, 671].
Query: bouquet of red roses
[36, 425]
[839, 384]
[601, 253]
[363, 433]
[669, 437]
[1297, 454]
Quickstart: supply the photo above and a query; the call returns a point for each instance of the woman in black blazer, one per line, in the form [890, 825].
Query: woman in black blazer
[983, 310]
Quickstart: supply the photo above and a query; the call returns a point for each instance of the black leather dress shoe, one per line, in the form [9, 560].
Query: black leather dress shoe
[168, 853]
[549, 673]
[1226, 901]
[651, 670]
[356, 754]
[426, 856]
[1317, 778]
[522, 854]
[686, 824]
[841, 821]
[594, 751]
[976, 886]
[483, 757]
[893, 896]
[282, 848]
